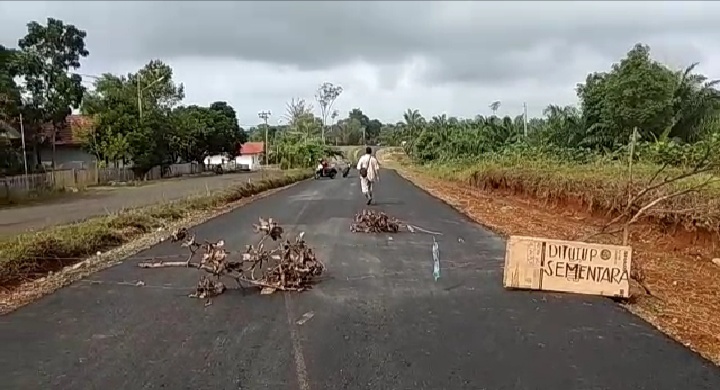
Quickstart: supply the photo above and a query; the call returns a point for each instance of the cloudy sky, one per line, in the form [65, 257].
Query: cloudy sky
[439, 57]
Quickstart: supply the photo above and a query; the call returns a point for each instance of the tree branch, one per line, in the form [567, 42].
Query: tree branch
[665, 197]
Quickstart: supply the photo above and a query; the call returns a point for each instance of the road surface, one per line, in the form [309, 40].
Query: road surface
[104, 200]
[380, 321]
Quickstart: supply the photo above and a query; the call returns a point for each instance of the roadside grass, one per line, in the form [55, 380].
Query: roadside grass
[597, 188]
[31, 255]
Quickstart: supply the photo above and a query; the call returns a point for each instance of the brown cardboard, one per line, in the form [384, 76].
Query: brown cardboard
[567, 266]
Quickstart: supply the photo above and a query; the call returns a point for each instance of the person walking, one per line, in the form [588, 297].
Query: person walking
[369, 169]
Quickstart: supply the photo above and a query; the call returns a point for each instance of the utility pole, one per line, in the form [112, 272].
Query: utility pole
[265, 115]
[277, 144]
[22, 135]
[140, 91]
[525, 119]
[139, 95]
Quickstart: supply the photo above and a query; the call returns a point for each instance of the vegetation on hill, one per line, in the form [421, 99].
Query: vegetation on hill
[667, 120]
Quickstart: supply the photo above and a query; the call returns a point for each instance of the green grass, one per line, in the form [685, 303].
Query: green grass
[600, 186]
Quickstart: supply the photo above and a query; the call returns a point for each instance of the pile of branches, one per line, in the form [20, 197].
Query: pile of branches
[371, 221]
[289, 266]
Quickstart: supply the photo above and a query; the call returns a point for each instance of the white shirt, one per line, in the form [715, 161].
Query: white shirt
[371, 163]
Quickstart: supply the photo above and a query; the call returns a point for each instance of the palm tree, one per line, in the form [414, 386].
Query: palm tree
[414, 121]
[564, 125]
[696, 100]
[494, 106]
[413, 118]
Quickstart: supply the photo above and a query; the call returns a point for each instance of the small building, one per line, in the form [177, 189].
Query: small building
[211, 161]
[69, 153]
[249, 156]
[11, 162]
[8, 132]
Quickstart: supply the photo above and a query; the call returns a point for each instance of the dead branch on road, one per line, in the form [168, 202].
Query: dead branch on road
[188, 241]
[291, 266]
[371, 221]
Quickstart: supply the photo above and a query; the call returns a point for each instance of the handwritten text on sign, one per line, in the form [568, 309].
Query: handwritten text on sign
[582, 263]
[554, 265]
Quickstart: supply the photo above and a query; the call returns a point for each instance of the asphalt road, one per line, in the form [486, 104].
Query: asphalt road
[380, 321]
[98, 201]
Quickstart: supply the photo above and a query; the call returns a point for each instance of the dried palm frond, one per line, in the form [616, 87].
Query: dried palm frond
[292, 266]
[371, 221]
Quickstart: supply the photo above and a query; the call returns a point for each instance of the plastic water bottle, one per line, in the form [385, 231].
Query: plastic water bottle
[436, 260]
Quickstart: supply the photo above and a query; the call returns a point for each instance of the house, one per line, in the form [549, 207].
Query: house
[217, 159]
[11, 161]
[249, 156]
[8, 132]
[68, 148]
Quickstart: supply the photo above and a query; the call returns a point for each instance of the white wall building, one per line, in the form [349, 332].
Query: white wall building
[248, 159]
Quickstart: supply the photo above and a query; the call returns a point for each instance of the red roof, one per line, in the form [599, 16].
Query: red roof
[67, 134]
[252, 148]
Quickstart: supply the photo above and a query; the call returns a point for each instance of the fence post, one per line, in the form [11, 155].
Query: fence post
[7, 190]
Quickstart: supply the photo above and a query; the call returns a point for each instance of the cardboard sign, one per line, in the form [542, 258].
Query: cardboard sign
[567, 266]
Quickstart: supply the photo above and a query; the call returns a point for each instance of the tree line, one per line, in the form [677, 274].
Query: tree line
[135, 118]
[671, 116]
[297, 138]
[138, 118]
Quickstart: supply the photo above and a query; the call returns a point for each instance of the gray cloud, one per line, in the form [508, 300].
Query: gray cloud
[492, 44]
[466, 41]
